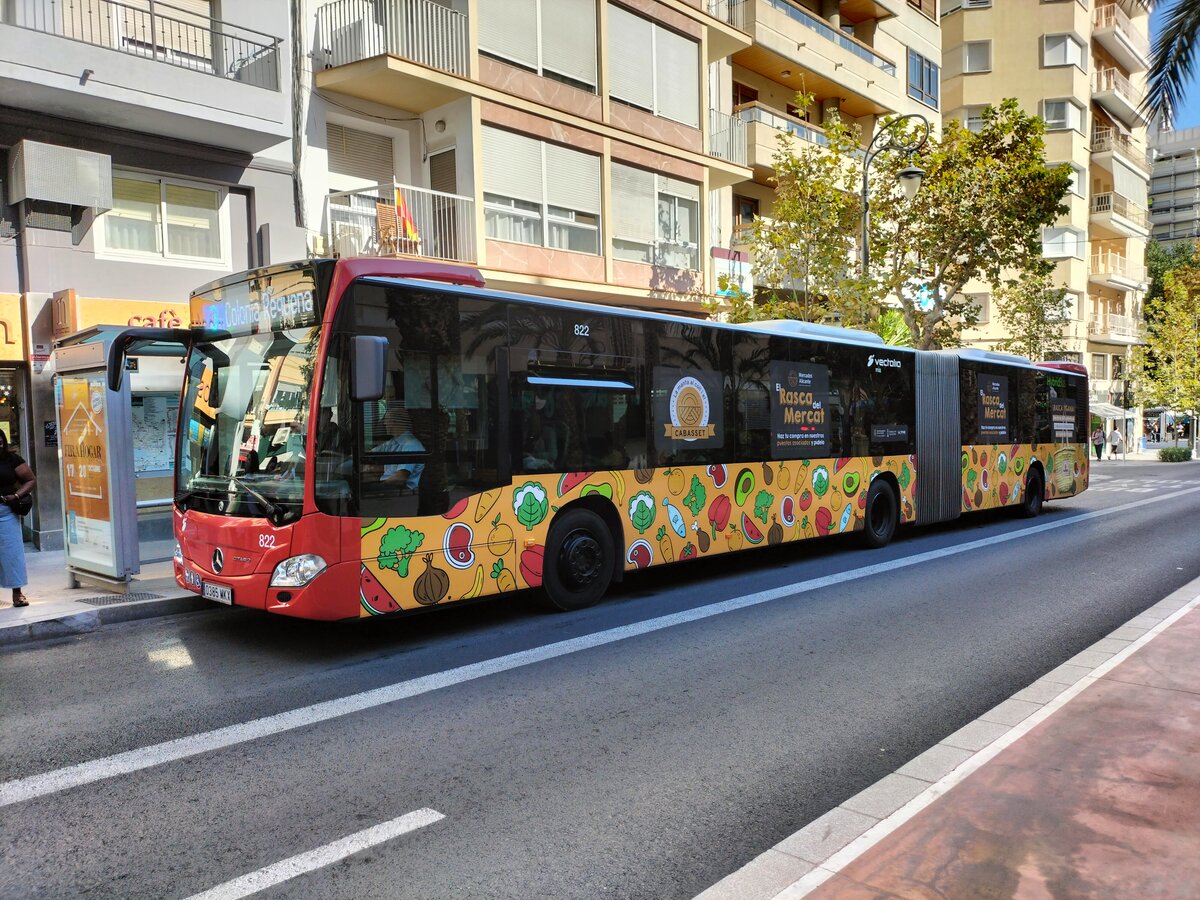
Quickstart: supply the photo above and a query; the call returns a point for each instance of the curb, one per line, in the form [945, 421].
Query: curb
[94, 619]
[803, 861]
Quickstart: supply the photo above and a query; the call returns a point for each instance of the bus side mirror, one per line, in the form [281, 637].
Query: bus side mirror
[369, 355]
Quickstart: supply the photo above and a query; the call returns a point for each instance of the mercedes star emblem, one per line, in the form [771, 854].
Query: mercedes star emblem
[218, 560]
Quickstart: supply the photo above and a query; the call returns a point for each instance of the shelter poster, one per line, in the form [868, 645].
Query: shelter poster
[81, 401]
[993, 409]
[799, 409]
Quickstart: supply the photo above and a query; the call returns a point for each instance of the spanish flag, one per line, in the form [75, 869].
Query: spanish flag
[404, 220]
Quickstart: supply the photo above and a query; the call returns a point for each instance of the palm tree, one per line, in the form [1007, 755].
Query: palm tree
[1173, 58]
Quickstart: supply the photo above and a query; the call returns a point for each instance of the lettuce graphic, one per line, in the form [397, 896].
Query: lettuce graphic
[531, 504]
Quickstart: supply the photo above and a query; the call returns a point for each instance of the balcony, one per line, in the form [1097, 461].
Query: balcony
[1118, 97]
[401, 220]
[149, 66]
[1112, 328]
[819, 58]
[1118, 216]
[1108, 142]
[1116, 271]
[1115, 32]
[409, 54]
[763, 127]
[728, 34]
[727, 137]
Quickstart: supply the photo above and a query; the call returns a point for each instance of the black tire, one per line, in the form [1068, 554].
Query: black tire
[881, 515]
[578, 566]
[1031, 505]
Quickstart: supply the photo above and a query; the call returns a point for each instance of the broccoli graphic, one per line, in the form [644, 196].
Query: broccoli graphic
[762, 504]
[695, 498]
[397, 548]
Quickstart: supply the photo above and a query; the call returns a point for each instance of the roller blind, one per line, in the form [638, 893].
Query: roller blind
[688, 190]
[677, 71]
[634, 213]
[512, 165]
[359, 154]
[569, 38]
[572, 179]
[508, 28]
[1129, 183]
[631, 57]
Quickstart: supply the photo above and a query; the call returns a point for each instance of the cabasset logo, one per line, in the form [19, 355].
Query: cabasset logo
[884, 361]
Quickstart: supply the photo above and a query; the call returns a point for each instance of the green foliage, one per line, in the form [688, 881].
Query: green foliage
[397, 547]
[1169, 363]
[1175, 454]
[1034, 313]
[892, 328]
[1162, 259]
[695, 497]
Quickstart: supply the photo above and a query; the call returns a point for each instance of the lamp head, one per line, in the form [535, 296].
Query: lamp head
[910, 180]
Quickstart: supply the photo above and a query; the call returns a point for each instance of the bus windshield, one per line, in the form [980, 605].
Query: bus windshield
[246, 406]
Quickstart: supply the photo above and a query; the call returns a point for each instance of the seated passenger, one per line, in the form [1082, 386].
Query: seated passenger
[405, 475]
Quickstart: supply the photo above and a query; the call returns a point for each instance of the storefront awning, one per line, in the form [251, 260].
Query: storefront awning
[1108, 411]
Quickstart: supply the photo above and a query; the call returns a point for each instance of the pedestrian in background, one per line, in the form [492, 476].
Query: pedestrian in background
[16, 483]
[1115, 440]
[1098, 442]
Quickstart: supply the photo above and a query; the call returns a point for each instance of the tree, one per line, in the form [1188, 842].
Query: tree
[1034, 313]
[979, 215]
[1162, 259]
[1173, 57]
[893, 329]
[1170, 361]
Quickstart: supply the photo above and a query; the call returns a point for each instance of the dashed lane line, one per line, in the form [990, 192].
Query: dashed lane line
[302, 863]
[21, 789]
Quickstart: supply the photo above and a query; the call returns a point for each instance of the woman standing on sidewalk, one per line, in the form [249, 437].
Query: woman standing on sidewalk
[16, 481]
[1098, 442]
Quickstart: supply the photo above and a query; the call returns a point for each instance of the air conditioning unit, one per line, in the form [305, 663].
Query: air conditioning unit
[350, 239]
[56, 174]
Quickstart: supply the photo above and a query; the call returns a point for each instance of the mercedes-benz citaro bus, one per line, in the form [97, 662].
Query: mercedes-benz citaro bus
[360, 437]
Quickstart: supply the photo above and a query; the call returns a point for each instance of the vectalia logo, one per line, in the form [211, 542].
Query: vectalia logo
[883, 361]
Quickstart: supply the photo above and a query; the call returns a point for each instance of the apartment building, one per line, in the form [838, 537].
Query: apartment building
[1175, 185]
[1081, 66]
[144, 150]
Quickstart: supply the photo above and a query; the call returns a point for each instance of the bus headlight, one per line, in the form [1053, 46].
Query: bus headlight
[178, 553]
[297, 571]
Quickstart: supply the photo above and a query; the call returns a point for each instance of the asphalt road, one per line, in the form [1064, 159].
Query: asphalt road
[649, 762]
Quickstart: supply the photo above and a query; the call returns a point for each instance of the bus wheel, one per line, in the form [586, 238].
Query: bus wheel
[1031, 506]
[879, 525]
[579, 560]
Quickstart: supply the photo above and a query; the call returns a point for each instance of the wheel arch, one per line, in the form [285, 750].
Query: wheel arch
[890, 479]
[604, 508]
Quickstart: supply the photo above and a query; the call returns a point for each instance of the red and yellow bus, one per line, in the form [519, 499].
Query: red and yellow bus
[362, 437]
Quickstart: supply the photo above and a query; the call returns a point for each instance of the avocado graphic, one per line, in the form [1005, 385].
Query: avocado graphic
[744, 486]
[1018, 465]
[850, 484]
[965, 461]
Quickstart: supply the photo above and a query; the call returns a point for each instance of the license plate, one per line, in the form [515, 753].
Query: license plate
[219, 592]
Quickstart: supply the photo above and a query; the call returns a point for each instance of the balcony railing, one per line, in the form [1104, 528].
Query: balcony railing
[1117, 326]
[1112, 80]
[418, 30]
[731, 12]
[1105, 138]
[727, 137]
[159, 31]
[756, 112]
[1110, 263]
[399, 219]
[1112, 16]
[827, 31]
[1117, 205]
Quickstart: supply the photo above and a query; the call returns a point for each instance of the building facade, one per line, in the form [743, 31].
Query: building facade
[1081, 66]
[145, 149]
[1175, 187]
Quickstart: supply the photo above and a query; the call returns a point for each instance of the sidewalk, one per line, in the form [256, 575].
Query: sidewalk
[1085, 784]
[55, 610]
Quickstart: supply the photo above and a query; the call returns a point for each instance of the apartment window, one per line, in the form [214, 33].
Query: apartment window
[358, 158]
[977, 56]
[1062, 243]
[982, 305]
[922, 79]
[653, 68]
[656, 218]
[555, 38]
[974, 118]
[1061, 115]
[927, 7]
[745, 211]
[743, 94]
[1118, 366]
[166, 219]
[951, 6]
[1063, 50]
[1078, 179]
[538, 193]
[1099, 368]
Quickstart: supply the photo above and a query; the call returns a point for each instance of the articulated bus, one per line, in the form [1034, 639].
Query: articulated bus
[360, 437]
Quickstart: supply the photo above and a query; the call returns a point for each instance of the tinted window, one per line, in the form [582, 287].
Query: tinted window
[689, 394]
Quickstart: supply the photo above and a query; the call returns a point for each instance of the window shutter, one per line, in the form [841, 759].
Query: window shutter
[677, 71]
[979, 56]
[508, 28]
[569, 38]
[688, 190]
[572, 179]
[635, 208]
[630, 58]
[360, 154]
[1129, 183]
[512, 165]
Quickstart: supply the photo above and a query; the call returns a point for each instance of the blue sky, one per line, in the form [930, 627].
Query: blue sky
[1188, 116]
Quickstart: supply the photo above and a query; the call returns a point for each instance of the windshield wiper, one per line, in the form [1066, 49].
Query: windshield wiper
[276, 511]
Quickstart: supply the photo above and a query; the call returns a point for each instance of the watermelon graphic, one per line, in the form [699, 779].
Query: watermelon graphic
[750, 530]
[374, 597]
[572, 480]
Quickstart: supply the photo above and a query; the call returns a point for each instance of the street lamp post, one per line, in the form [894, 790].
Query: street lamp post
[909, 177]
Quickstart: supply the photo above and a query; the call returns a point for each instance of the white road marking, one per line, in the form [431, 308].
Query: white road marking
[29, 787]
[302, 863]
